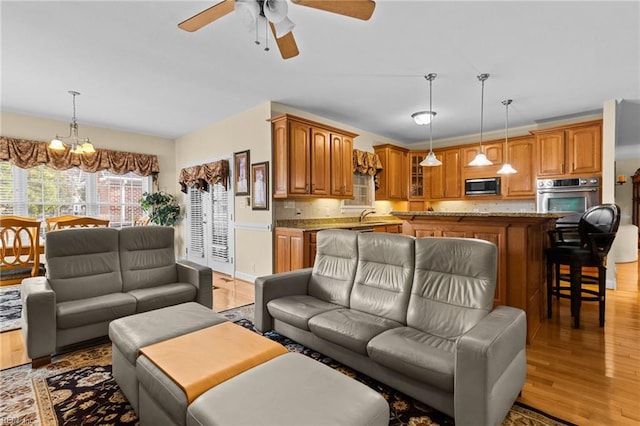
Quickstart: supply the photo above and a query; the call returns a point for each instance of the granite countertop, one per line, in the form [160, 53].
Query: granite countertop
[554, 215]
[337, 223]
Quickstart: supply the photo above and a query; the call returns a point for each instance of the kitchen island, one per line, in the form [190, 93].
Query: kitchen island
[521, 239]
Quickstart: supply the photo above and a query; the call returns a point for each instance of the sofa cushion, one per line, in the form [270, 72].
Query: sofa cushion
[385, 272]
[83, 263]
[416, 354]
[350, 328]
[77, 313]
[147, 256]
[335, 266]
[296, 310]
[453, 286]
[163, 296]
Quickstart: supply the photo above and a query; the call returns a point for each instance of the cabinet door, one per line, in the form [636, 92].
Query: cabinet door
[299, 158]
[341, 165]
[434, 177]
[584, 149]
[289, 250]
[452, 173]
[396, 179]
[551, 153]
[520, 156]
[320, 162]
[416, 176]
[280, 159]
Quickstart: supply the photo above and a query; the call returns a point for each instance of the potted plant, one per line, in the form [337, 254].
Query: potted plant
[162, 208]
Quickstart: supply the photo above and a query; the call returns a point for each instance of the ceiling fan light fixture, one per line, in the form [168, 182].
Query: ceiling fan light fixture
[275, 10]
[247, 12]
[422, 118]
[481, 159]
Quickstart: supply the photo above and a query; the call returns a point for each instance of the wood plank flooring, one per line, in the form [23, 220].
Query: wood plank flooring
[589, 376]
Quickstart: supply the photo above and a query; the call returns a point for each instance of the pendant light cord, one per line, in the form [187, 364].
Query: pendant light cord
[481, 113]
[431, 112]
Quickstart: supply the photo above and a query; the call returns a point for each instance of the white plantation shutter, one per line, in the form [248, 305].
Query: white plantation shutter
[219, 223]
[195, 247]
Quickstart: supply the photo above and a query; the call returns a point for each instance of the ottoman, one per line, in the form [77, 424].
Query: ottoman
[291, 389]
[129, 334]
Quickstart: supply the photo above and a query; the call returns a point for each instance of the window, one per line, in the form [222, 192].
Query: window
[363, 193]
[43, 192]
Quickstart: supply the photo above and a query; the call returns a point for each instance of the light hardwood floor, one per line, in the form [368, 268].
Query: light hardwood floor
[589, 376]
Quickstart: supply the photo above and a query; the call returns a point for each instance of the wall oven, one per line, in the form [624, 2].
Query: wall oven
[568, 195]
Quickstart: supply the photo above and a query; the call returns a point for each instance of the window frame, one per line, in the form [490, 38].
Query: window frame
[370, 189]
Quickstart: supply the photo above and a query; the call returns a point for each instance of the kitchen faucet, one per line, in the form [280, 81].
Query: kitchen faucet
[365, 213]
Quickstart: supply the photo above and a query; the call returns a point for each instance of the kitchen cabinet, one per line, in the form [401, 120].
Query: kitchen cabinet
[493, 150]
[390, 229]
[289, 249]
[393, 177]
[570, 150]
[310, 159]
[416, 190]
[521, 155]
[341, 165]
[445, 181]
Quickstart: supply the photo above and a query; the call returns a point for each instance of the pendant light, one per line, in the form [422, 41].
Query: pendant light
[481, 159]
[430, 160]
[506, 168]
[78, 145]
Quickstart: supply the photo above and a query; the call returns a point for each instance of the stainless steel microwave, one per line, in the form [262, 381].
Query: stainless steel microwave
[484, 186]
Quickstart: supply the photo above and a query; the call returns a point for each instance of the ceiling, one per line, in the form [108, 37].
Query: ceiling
[138, 72]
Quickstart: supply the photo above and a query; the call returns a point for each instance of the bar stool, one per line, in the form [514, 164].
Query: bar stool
[597, 230]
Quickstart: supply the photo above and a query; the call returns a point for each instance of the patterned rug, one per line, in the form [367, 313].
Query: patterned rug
[10, 307]
[78, 388]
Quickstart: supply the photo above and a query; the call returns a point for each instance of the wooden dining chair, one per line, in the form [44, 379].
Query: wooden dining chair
[20, 251]
[70, 221]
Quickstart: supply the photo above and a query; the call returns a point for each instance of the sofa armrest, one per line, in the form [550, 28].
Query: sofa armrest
[38, 317]
[201, 277]
[275, 286]
[491, 367]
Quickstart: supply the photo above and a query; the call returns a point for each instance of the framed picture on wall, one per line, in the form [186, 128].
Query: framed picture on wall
[241, 162]
[260, 182]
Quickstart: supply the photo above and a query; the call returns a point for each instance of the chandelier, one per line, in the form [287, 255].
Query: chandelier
[78, 145]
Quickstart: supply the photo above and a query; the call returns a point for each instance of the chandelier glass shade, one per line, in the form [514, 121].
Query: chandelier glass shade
[426, 117]
[506, 168]
[481, 159]
[78, 145]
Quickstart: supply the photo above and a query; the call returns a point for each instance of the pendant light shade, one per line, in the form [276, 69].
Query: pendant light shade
[426, 117]
[506, 168]
[481, 159]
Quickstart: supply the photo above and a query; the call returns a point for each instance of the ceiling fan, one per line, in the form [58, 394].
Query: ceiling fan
[274, 12]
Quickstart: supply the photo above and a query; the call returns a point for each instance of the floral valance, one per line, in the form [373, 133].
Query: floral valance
[203, 175]
[366, 163]
[27, 153]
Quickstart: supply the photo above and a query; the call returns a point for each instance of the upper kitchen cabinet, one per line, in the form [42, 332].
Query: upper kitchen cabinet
[493, 150]
[341, 165]
[570, 150]
[310, 159]
[520, 155]
[393, 177]
[445, 181]
[416, 190]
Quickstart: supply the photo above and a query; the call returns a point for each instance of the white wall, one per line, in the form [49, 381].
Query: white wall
[43, 129]
[249, 130]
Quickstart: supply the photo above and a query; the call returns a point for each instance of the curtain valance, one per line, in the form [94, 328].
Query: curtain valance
[366, 163]
[203, 175]
[27, 153]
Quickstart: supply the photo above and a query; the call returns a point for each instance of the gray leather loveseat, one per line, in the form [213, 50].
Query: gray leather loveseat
[95, 275]
[416, 314]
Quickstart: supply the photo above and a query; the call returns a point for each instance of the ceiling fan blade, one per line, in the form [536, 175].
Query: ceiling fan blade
[207, 16]
[359, 9]
[286, 44]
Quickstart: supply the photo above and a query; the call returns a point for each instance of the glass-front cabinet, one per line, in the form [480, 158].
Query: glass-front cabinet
[416, 180]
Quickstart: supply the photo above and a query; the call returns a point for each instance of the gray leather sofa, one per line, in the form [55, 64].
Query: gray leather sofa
[95, 275]
[416, 314]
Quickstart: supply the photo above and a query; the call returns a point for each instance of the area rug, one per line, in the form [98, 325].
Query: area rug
[10, 307]
[78, 388]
